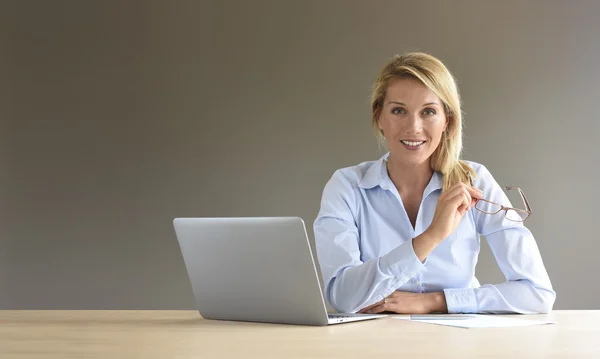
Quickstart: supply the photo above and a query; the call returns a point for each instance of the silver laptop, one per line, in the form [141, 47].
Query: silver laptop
[254, 269]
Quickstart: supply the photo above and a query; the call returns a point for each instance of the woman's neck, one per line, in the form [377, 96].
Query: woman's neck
[409, 179]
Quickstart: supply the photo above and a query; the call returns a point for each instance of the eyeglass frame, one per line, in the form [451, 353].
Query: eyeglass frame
[505, 209]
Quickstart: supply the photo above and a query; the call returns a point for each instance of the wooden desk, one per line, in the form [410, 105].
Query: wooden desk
[183, 334]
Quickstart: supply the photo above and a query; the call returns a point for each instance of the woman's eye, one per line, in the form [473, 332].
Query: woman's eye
[398, 110]
[429, 112]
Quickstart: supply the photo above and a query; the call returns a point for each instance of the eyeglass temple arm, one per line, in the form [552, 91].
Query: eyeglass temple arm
[522, 196]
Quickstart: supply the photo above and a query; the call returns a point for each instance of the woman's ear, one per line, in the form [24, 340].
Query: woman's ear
[376, 117]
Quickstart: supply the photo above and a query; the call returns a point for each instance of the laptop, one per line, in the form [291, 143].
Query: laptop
[255, 269]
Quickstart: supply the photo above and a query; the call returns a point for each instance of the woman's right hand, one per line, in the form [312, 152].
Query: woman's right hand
[451, 207]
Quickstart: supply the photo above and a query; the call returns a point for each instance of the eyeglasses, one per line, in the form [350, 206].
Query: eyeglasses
[512, 214]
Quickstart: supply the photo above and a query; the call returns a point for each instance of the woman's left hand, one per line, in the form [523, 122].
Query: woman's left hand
[409, 303]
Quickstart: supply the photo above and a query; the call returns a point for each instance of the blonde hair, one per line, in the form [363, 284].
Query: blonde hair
[438, 79]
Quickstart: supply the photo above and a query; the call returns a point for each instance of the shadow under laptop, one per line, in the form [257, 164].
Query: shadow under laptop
[198, 323]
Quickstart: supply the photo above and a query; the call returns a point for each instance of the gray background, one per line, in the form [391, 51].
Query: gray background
[117, 116]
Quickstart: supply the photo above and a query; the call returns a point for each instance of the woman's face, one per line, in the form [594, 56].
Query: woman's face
[412, 119]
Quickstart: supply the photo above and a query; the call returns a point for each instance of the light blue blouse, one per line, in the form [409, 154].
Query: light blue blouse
[364, 246]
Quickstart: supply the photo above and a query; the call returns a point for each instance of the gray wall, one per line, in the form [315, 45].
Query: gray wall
[117, 116]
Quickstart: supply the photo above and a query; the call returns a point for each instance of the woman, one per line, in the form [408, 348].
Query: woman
[401, 234]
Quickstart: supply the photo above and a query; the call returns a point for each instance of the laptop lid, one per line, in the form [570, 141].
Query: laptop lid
[257, 269]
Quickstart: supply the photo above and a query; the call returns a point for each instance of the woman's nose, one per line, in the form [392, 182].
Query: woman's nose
[414, 124]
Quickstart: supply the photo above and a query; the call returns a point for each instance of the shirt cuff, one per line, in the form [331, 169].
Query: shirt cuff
[401, 262]
[461, 300]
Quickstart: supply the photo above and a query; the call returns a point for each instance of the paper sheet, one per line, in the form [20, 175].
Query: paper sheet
[474, 320]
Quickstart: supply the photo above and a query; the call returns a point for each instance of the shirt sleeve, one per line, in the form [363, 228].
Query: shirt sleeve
[351, 284]
[527, 289]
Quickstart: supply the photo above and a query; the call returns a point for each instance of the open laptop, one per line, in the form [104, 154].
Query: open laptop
[256, 269]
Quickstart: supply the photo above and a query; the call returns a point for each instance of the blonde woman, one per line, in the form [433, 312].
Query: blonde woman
[401, 234]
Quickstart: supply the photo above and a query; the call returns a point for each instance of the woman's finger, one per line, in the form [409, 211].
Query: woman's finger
[460, 198]
[366, 309]
[468, 200]
[384, 305]
[474, 192]
[453, 190]
[379, 309]
[461, 202]
[459, 187]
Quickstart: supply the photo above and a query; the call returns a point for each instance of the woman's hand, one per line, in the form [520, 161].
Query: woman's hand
[410, 303]
[451, 207]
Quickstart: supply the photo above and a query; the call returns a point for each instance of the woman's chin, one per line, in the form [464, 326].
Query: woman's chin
[412, 161]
